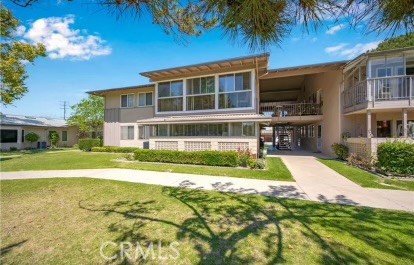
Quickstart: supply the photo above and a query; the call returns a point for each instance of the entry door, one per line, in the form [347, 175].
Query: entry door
[319, 141]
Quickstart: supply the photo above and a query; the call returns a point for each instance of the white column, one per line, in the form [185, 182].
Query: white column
[369, 131]
[405, 132]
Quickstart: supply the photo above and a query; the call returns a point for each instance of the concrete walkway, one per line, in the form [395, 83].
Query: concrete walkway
[321, 183]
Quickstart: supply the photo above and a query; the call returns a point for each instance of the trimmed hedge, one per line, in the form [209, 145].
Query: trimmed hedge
[86, 144]
[208, 158]
[114, 149]
[396, 157]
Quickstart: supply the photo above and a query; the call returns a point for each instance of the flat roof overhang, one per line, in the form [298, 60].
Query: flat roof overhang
[101, 92]
[258, 61]
[304, 69]
[219, 118]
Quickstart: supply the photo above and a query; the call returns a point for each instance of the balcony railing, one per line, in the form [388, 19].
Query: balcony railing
[276, 109]
[380, 89]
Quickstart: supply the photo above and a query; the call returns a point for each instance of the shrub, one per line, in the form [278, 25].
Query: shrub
[13, 149]
[86, 144]
[358, 161]
[257, 164]
[209, 158]
[340, 150]
[244, 156]
[114, 149]
[396, 157]
[54, 138]
[32, 137]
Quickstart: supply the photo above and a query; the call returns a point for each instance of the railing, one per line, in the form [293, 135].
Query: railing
[276, 109]
[380, 89]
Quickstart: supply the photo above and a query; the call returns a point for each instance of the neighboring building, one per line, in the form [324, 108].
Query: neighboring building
[223, 105]
[13, 129]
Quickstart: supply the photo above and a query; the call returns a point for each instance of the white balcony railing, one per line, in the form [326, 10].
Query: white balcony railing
[380, 89]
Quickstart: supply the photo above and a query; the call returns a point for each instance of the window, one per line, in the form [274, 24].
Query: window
[127, 101]
[22, 136]
[144, 132]
[127, 132]
[170, 96]
[319, 131]
[145, 99]
[386, 66]
[64, 136]
[162, 130]
[200, 93]
[235, 91]
[8, 136]
[243, 129]
[311, 131]
[215, 129]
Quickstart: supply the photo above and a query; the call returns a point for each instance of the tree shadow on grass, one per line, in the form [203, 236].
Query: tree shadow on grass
[227, 228]
[7, 249]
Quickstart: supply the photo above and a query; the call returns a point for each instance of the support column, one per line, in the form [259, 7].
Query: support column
[405, 122]
[273, 136]
[369, 130]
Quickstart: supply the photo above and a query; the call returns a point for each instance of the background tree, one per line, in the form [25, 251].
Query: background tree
[88, 115]
[258, 23]
[13, 56]
[32, 137]
[397, 42]
[54, 138]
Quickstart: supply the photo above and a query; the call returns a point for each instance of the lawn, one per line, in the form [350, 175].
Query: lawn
[276, 170]
[66, 221]
[366, 179]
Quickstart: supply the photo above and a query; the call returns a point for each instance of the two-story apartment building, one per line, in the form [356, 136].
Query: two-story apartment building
[223, 105]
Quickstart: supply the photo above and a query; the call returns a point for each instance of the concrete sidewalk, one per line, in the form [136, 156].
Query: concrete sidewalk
[314, 182]
[321, 183]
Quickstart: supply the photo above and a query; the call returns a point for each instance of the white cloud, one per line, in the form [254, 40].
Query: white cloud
[335, 49]
[351, 52]
[62, 41]
[333, 30]
[20, 30]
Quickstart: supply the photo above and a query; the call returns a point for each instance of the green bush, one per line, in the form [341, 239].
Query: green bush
[396, 157]
[114, 149]
[209, 158]
[86, 144]
[256, 164]
[54, 138]
[32, 137]
[340, 150]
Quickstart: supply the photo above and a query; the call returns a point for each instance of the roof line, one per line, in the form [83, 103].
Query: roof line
[267, 54]
[307, 66]
[118, 88]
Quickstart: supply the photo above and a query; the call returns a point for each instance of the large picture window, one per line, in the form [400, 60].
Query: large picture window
[200, 93]
[170, 96]
[235, 91]
[8, 136]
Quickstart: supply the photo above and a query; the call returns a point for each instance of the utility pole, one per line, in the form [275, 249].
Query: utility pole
[64, 105]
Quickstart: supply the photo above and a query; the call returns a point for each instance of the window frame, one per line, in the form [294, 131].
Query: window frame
[10, 142]
[133, 100]
[64, 140]
[236, 92]
[128, 135]
[146, 103]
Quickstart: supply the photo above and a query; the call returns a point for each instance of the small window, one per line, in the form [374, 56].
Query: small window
[8, 136]
[127, 101]
[248, 129]
[145, 99]
[142, 132]
[64, 136]
[127, 132]
[22, 136]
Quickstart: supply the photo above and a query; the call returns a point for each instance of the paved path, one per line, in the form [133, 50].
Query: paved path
[314, 181]
[321, 183]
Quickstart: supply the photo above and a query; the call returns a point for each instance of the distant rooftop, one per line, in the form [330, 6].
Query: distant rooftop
[21, 120]
[98, 92]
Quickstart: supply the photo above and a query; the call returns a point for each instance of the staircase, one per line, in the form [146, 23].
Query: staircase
[285, 138]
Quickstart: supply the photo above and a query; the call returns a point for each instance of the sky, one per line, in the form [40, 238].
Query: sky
[90, 48]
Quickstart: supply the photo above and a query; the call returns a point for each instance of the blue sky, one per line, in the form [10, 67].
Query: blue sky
[92, 49]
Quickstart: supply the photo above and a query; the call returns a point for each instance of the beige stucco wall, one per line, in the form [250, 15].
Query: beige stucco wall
[43, 132]
[329, 83]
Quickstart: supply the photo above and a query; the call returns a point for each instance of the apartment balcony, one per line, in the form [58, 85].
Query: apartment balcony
[295, 113]
[380, 93]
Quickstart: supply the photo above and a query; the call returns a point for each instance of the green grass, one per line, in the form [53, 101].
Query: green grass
[65, 221]
[366, 179]
[83, 160]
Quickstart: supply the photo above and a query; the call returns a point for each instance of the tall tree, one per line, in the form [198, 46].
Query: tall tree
[397, 42]
[258, 23]
[88, 115]
[14, 56]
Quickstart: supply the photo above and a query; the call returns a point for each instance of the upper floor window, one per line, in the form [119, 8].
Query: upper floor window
[235, 91]
[200, 93]
[386, 66]
[145, 99]
[127, 101]
[170, 96]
